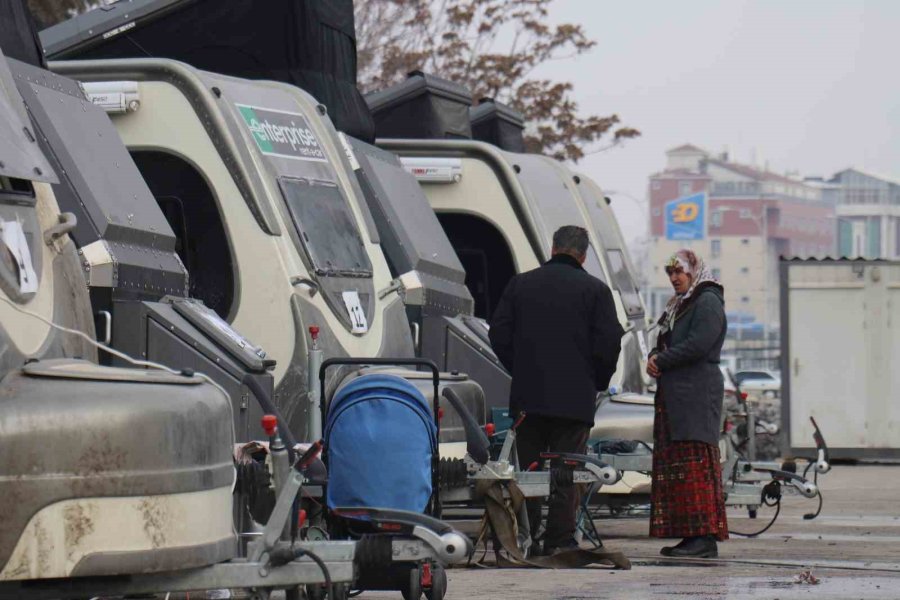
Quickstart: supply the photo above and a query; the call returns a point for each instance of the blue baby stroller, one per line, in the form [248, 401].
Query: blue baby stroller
[381, 450]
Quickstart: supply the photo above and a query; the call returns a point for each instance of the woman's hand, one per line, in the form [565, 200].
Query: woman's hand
[652, 369]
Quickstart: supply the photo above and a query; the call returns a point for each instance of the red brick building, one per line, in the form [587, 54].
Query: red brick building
[751, 217]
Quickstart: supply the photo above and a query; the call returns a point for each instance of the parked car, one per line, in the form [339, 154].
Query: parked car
[761, 382]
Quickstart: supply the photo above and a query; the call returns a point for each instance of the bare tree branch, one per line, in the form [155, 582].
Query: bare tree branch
[492, 47]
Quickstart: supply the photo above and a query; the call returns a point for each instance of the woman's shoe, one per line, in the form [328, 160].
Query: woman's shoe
[699, 547]
[667, 550]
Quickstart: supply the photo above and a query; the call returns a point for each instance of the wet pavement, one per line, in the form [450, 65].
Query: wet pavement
[640, 584]
[852, 548]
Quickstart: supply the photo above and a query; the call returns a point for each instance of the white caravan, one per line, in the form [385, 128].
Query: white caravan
[270, 219]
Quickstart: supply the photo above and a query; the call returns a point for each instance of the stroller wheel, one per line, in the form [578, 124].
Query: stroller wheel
[438, 584]
[413, 588]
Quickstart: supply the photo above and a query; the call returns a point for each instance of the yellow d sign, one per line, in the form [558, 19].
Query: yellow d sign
[685, 212]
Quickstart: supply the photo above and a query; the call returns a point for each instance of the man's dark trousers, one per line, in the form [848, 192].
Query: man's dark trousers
[539, 434]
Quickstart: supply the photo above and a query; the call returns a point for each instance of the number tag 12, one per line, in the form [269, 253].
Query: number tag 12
[357, 315]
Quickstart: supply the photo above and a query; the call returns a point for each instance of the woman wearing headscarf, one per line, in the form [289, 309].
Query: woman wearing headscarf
[687, 497]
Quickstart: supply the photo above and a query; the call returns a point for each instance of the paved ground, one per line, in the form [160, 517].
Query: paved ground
[853, 548]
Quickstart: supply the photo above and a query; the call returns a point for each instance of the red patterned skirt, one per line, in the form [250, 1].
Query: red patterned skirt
[686, 497]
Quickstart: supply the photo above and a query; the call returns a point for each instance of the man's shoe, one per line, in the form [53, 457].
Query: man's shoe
[564, 547]
[698, 547]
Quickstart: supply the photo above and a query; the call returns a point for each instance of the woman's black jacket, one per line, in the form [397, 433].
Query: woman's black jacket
[691, 384]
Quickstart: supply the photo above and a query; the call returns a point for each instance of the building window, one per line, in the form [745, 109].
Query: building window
[715, 219]
[717, 273]
[745, 241]
[656, 185]
[746, 214]
[745, 270]
[715, 248]
[845, 238]
[685, 188]
[874, 238]
[897, 238]
[745, 299]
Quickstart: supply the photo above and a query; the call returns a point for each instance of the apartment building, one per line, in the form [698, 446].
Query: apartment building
[741, 219]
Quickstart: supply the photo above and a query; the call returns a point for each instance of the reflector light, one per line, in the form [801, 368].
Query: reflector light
[269, 424]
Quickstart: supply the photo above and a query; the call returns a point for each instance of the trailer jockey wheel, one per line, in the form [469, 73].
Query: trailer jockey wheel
[438, 583]
[318, 592]
[413, 588]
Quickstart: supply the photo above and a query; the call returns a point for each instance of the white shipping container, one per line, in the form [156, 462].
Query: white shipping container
[840, 356]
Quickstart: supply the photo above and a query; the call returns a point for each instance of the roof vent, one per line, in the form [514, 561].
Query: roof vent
[422, 107]
[498, 124]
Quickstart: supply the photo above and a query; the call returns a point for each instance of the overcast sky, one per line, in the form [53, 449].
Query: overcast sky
[807, 85]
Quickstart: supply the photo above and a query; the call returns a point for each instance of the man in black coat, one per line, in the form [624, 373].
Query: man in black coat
[556, 331]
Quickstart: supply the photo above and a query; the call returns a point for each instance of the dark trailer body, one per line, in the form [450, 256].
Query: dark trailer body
[307, 43]
[18, 36]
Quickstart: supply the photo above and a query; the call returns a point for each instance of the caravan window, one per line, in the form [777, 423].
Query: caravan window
[632, 380]
[625, 283]
[620, 268]
[326, 228]
[553, 202]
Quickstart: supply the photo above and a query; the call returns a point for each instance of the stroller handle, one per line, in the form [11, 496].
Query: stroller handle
[386, 362]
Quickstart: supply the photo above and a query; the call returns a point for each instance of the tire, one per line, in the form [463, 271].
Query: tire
[315, 592]
[438, 583]
[413, 588]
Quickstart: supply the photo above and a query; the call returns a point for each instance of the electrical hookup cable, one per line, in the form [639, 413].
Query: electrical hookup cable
[283, 556]
[811, 516]
[769, 497]
[138, 363]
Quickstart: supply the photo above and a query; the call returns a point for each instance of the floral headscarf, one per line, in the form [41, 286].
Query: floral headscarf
[693, 265]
